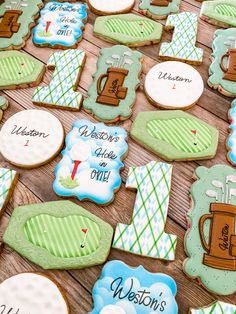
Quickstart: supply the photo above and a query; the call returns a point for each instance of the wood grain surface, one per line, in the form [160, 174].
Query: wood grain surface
[35, 186]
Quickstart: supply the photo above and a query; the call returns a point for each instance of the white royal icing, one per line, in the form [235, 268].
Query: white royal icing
[174, 85]
[108, 6]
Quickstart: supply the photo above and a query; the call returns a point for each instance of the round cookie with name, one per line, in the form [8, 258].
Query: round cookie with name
[173, 85]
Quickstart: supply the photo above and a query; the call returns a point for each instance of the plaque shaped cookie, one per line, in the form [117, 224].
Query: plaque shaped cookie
[158, 9]
[17, 18]
[210, 242]
[62, 91]
[59, 235]
[216, 308]
[113, 91]
[8, 179]
[175, 135]
[107, 7]
[32, 293]
[123, 289]
[146, 234]
[3, 106]
[219, 12]
[222, 75]
[128, 29]
[19, 70]
[31, 138]
[60, 25]
[91, 163]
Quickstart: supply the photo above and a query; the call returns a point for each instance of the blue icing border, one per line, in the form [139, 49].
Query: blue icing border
[98, 174]
[70, 28]
[231, 142]
[128, 289]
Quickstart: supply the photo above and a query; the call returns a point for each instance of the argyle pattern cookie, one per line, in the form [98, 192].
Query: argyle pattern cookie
[183, 42]
[7, 178]
[61, 91]
[146, 235]
[216, 308]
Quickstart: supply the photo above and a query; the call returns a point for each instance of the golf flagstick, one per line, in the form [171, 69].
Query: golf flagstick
[85, 231]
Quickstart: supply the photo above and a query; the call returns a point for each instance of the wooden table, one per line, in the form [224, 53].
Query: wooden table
[35, 186]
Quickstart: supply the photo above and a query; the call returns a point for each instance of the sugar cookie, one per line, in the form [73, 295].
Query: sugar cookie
[8, 179]
[158, 9]
[91, 163]
[231, 143]
[113, 91]
[59, 235]
[216, 308]
[175, 135]
[32, 293]
[60, 25]
[146, 234]
[173, 85]
[222, 72]
[219, 12]
[210, 242]
[122, 289]
[62, 91]
[128, 29]
[31, 138]
[107, 7]
[3, 105]
[19, 70]
[182, 47]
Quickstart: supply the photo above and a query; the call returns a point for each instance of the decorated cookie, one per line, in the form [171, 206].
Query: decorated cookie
[16, 19]
[31, 138]
[60, 25]
[182, 47]
[62, 91]
[158, 9]
[8, 179]
[146, 233]
[91, 163]
[59, 235]
[107, 7]
[113, 91]
[210, 242]
[3, 105]
[128, 29]
[173, 85]
[231, 143]
[175, 135]
[122, 289]
[222, 72]
[32, 293]
[216, 308]
[219, 12]
[19, 70]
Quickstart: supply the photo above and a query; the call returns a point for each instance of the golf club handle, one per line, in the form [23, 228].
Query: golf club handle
[201, 226]
[99, 82]
[233, 245]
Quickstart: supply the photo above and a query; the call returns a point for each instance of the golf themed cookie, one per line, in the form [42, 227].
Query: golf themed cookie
[122, 289]
[158, 9]
[231, 143]
[8, 179]
[183, 44]
[173, 85]
[107, 7]
[19, 70]
[216, 308]
[59, 235]
[31, 138]
[32, 293]
[60, 25]
[175, 135]
[128, 29]
[219, 12]
[222, 74]
[210, 241]
[16, 20]
[62, 91]
[113, 91]
[3, 106]
[91, 163]
[146, 234]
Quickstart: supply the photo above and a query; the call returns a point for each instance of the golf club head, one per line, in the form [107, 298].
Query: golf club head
[218, 184]
[211, 193]
[231, 178]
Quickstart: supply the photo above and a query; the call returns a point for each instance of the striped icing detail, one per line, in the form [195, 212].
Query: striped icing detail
[141, 28]
[7, 178]
[226, 9]
[63, 237]
[16, 67]
[178, 133]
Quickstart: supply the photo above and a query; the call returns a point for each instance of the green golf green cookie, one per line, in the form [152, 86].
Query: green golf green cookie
[59, 235]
